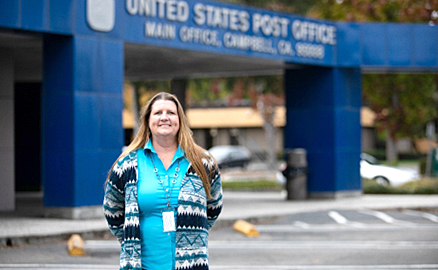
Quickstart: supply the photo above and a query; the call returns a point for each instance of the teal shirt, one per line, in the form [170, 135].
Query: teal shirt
[196, 214]
[157, 247]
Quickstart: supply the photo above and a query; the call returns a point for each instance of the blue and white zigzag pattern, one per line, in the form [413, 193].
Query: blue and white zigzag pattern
[195, 215]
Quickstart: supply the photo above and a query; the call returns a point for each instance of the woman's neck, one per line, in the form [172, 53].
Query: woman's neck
[166, 150]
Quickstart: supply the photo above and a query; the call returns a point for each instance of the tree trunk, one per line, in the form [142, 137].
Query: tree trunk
[391, 150]
[178, 88]
[270, 132]
[268, 113]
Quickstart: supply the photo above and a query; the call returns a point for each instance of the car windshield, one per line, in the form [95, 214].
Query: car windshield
[219, 153]
[370, 159]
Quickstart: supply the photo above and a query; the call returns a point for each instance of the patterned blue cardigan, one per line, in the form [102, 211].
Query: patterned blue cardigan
[195, 215]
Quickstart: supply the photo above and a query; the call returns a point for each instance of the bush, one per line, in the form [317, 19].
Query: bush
[423, 186]
[371, 187]
[252, 185]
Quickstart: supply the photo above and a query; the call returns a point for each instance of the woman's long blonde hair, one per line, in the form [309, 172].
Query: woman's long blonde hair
[193, 152]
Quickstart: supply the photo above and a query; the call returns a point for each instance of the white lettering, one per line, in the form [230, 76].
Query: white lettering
[246, 42]
[183, 11]
[172, 10]
[274, 26]
[233, 19]
[159, 30]
[309, 50]
[209, 10]
[132, 7]
[216, 17]
[147, 8]
[199, 14]
[161, 8]
[199, 35]
[285, 48]
[244, 21]
[226, 14]
[309, 31]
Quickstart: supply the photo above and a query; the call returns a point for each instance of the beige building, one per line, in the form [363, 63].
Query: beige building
[244, 126]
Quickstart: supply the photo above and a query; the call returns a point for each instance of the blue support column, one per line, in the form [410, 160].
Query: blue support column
[82, 121]
[323, 116]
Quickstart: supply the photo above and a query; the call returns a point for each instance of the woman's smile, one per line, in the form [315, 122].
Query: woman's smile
[164, 120]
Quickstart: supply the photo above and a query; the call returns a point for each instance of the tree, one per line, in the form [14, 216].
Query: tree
[265, 93]
[207, 92]
[414, 11]
[262, 93]
[289, 6]
[403, 103]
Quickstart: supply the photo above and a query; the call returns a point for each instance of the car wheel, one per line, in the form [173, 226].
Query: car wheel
[381, 180]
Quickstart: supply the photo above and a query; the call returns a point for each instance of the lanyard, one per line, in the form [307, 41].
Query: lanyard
[168, 196]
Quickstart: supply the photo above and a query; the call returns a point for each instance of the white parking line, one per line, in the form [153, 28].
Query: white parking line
[325, 267]
[428, 216]
[387, 218]
[111, 245]
[379, 215]
[323, 245]
[337, 227]
[301, 224]
[102, 244]
[340, 219]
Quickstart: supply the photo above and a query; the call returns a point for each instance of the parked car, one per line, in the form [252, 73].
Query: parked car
[228, 156]
[371, 168]
[280, 175]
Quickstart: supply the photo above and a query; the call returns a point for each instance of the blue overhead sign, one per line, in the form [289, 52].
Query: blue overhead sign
[231, 29]
[218, 27]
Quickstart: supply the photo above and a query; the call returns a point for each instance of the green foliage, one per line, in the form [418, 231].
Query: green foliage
[423, 186]
[252, 185]
[147, 89]
[418, 11]
[206, 91]
[404, 103]
[289, 6]
[236, 91]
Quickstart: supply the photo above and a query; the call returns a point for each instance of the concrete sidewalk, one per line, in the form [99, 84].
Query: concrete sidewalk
[27, 226]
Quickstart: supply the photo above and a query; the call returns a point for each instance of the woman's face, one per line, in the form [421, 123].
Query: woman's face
[164, 120]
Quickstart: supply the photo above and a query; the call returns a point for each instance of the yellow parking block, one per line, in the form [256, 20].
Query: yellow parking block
[246, 228]
[75, 245]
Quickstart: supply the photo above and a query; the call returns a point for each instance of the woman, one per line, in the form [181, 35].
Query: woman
[164, 193]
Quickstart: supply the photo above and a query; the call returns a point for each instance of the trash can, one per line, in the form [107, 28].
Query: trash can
[296, 174]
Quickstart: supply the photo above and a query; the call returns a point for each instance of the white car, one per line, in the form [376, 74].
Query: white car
[370, 168]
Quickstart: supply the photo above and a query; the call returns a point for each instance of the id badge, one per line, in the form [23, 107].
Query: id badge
[168, 220]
